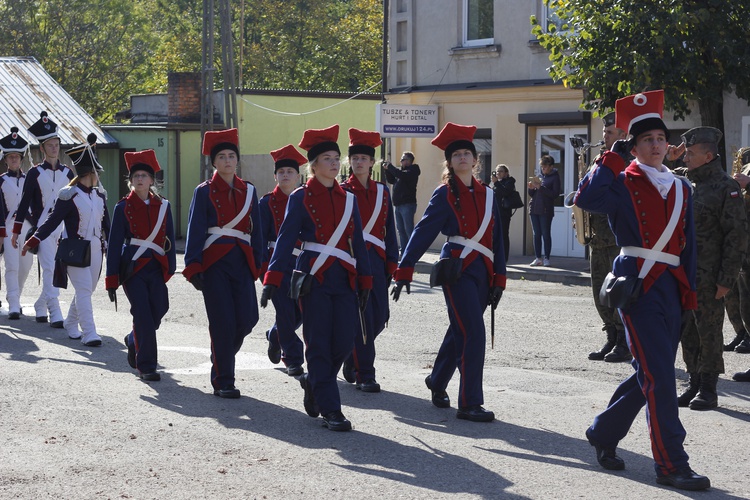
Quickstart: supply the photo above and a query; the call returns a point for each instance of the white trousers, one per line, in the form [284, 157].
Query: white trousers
[80, 320]
[48, 299]
[16, 270]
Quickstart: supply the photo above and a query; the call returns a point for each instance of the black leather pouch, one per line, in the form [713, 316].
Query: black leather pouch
[29, 234]
[446, 271]
[301, 284]
[74, 252]
[619, 292]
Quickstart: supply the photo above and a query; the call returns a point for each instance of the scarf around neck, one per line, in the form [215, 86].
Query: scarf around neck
[662, 178]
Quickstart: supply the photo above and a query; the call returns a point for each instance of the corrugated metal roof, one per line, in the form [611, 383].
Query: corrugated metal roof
[26, 90]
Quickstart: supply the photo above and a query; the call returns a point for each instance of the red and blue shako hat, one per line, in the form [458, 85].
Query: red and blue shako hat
[363, 142]
[215, 141]
[640, 113]
[44, 128]
[317, 141]
[13, 143]
[142, 160]
[83, 157]
[288, 156]
[454, 137]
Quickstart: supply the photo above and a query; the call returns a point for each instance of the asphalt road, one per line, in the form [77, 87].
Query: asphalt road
[77, 423]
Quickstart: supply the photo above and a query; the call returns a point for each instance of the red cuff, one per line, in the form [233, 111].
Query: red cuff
[390, 268]
[403, 274]
[32, 242]
[192, 270]
[690, 301]
[273, 278]
[614, 162]
[17, 226]
[3, 234]
[364, 282]
[111, 281]
[263, 268]
[499, 280]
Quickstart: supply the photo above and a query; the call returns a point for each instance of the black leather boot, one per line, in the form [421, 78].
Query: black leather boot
[694, 382]
[611, 341]
[621, 353]
[742, 376]
[707, 399]
[736, 341]
[744, 345]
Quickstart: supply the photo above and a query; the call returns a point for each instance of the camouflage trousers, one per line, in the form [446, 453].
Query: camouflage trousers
[702, 340]
[737, 303]
[600, 260]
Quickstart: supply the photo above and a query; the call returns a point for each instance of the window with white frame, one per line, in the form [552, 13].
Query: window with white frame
[550, 17]
[479, 23]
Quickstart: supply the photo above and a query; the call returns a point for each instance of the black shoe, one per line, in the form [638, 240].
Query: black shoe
[620, 354]
[57, 324]
[228, 392]
[694, 382]
[131, 352]
[368, 386]
[685, 479]
[599, 355]
[741, 376]
[93, 343]
[154, 377]
[14, 315]
[439, 399]
[309, 399]
[41, 319]
[349, 373]
[736, 341]
[274, 353]
[336, 421]
[607, 457]
[294, 370]
[475, 414]
[744, 346]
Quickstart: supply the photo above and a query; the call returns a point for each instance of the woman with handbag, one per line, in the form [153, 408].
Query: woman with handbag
[223, 255]
[142, 259]
[82, 208]
[332, 277]
[13, 149]
[508, 200]
[471, 269]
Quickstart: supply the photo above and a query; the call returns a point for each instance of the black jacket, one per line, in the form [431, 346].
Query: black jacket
[404, 183]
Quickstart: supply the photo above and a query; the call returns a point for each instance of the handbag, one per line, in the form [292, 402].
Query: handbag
[29, 234]
[619, 292]
[74, 252]
[446, 271]
[513, 200]
[300, 285]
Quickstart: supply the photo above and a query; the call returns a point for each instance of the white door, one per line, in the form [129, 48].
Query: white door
[556, 143]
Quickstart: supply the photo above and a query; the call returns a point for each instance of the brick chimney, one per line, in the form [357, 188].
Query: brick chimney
[184, 97]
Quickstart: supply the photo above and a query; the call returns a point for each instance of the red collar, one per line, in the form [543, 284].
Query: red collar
[135, 199]
[219, 184]
[317, 188]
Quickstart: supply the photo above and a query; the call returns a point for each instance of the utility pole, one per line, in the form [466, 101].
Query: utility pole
[208, 72]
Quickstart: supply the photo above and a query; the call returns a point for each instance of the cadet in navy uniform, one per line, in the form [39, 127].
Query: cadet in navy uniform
[651, 214]
[376, 212]
[141, 258]
[332, 276]
[223, 254]
[43, 182]
[472, 269]
[283, 342]
[13, 149]
[82, 208]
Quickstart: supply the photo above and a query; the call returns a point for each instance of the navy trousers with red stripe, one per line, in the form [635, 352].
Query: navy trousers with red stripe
[652, 326]
[283, 334]
[464, 342]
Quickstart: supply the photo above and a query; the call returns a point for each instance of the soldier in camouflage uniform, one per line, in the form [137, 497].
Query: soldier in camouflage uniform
[742, 289]
[721, 237]
[602, 251]
[737, 302]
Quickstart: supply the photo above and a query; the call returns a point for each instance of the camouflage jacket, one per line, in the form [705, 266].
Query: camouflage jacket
[720, 224]
[602, 233]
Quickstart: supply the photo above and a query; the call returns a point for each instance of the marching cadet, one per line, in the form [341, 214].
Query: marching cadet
[651, 214]
[43, 182]
[223, 254]
[602, 252]
[374, 203]
[283, 342]
[721, 238]
[142, 259]
[82, 209]
[13, 149]
[332, 278]
[471, 269]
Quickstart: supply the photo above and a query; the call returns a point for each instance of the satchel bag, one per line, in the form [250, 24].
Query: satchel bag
[619, 292]
[513, 200]
[74, 252]
[446, 271]
[300, 285]
[29, 234]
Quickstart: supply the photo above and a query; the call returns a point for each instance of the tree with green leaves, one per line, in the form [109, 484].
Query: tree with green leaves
[696, 50]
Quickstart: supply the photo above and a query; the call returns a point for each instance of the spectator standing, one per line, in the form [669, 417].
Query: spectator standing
[404, 195]
[542, 193]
